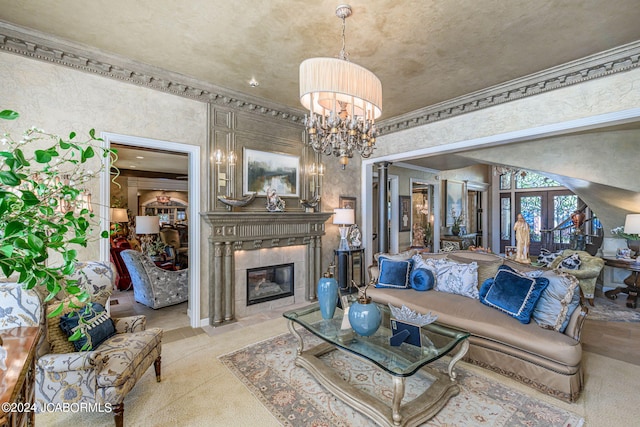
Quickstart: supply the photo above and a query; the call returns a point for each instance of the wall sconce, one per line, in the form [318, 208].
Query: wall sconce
[219, 158]
[316, 172]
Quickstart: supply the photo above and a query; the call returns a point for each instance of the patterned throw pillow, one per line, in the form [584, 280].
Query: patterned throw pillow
[513, 293]
[571, 262]
[456, 278]
[546, 257]
[93, 321]
[557, 302]
[394, 274]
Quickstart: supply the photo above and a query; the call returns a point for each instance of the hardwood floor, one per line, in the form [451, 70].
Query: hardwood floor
[618, 340]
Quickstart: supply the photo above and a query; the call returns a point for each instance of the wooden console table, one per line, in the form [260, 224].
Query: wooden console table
[632, 282]
[17, 382]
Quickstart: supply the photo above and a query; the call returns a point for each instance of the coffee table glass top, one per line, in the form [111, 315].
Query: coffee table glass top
[404, 360]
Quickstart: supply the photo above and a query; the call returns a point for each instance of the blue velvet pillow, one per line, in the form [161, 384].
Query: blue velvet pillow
[96, 325]
[394, 273]
[513, 293]
[422, 279]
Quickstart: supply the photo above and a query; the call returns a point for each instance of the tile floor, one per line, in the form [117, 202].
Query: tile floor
[174, 319]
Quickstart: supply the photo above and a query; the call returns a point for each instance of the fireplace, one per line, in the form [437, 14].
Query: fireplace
[241, 241]
[269, 283]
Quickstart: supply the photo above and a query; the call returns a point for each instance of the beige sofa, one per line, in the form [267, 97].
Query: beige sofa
[544, 359]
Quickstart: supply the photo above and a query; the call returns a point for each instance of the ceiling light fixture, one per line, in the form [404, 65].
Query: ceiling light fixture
[343, 100]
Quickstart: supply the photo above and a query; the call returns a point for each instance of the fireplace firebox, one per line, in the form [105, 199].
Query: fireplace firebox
[269, 283]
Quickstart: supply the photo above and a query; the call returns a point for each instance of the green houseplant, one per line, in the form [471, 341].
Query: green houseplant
[44, 206]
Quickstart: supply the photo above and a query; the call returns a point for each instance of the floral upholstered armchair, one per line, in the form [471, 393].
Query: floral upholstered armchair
[587, 273]
[153, 286]
[105, 374]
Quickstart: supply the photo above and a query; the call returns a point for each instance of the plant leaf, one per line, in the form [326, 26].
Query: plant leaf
[42, 156]
[9, 178]
[9, 115]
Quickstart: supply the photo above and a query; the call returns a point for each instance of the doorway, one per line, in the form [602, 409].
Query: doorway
[194, 208]
[543, 210]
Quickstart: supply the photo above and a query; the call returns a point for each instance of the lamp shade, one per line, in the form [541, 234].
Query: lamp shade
[119, 215]
[632, 224]
[147, 225]
[343, 216]
[325, 82]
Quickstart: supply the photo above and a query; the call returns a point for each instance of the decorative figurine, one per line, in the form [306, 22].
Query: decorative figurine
[523, 239]
[355, 236]
[274, 202]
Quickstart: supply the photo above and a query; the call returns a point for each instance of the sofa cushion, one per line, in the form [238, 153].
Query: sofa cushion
[488, 264]
[513, 293]
[422, 279]
[488, 325]
[394, 274]
[124, 352]
[94, 323]
[456, 278]
[558, 301]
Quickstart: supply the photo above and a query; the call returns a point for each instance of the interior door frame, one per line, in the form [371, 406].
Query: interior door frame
[193, 151]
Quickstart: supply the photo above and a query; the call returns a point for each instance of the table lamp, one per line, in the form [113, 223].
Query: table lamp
[632, 226]
[119, 216]
[146, 226]
[344, 218]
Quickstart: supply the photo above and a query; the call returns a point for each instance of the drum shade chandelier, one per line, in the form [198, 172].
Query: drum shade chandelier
[343, 100]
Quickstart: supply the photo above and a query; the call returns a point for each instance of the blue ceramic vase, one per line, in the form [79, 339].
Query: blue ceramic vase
[365, 317]
[327, 296]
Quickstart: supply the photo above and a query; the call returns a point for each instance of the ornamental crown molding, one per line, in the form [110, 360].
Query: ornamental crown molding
[49, 48]
[616, 60]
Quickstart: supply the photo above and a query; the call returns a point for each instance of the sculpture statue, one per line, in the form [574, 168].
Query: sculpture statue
[523, 239]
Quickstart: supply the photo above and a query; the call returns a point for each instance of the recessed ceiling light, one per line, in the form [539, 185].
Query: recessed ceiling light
[140, 157]
[253, 82]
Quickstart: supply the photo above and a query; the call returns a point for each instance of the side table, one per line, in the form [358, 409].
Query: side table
[350, 267]
[632, 282]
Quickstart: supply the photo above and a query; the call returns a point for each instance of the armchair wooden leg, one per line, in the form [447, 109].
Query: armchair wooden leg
[118, 414]
[590, 302]
[156, 365]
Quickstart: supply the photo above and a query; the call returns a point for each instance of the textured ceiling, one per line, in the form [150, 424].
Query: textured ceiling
[424, 52]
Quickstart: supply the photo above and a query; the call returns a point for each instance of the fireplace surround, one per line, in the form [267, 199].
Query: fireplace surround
[235, 231]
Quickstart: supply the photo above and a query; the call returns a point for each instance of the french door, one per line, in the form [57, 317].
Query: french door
[543, 210]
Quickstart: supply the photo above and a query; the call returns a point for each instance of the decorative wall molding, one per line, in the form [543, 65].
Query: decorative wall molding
[616, 60]
[48, 48]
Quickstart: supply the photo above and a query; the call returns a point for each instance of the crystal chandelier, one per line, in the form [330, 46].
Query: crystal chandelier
[343, 100]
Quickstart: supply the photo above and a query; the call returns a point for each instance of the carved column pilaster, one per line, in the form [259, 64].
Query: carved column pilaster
[229, 291]
[317, 270]
[217, 296]
[310, 289]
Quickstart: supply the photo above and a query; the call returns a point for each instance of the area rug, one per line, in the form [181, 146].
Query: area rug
[295, 398]
[606, 310]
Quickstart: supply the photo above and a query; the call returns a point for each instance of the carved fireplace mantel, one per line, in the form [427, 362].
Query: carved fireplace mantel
[232, 231]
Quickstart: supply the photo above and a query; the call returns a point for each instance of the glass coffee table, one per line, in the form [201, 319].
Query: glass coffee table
[398, 361]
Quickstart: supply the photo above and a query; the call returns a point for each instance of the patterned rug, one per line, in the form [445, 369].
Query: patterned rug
[606, 310]
[294, 397]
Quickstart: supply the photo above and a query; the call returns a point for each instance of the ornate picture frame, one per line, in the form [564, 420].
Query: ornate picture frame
[453, 197]
[347, 202]
[405, 213]
[262, 170]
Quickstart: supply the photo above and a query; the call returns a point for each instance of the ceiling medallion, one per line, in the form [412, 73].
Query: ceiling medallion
[343, 100]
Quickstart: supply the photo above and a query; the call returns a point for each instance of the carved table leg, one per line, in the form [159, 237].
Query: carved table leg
[459, 355]
[398, 394]
[157, 366]
[292, 329]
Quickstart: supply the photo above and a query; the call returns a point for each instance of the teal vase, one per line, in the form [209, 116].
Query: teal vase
[365, 317]
[327, 296]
